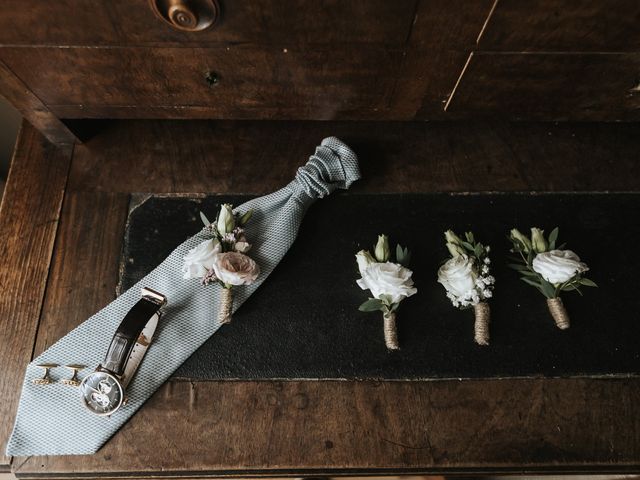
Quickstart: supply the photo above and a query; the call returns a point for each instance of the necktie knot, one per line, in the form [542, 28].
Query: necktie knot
[333, 165]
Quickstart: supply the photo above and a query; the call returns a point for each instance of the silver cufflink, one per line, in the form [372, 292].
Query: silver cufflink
[73, 381]
[46, 378]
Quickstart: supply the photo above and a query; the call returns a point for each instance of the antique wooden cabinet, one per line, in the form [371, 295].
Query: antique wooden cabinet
[434, 95]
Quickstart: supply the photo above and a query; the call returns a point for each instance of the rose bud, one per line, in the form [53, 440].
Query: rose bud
[226, 222]
[382, 250]
[524, 241]
[538, 241]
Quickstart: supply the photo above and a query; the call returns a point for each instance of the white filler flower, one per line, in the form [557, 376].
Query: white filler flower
[558, 266]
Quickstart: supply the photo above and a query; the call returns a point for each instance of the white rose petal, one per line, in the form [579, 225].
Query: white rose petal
[558, 266]
[200, 259]
[458, 275]
[364, 259]
[388, 279]
[234, 268]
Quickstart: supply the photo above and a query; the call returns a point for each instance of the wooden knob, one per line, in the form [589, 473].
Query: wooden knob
[187, 15]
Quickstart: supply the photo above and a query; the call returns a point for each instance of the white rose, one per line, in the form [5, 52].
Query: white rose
[388, 279]
[458, 275]
[200, 259]
[558, 266]
[364, 259]
[234, 268]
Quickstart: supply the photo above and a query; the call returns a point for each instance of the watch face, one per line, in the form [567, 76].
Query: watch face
[101, 393]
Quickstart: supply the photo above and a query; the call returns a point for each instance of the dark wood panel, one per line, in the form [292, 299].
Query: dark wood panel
[88, 243]
[387, 427]
[551, 86]
[32, 108]
[28, 222]
[131, 22]
[256, 157]
[253, 83]
[449, 24]
[564, 25]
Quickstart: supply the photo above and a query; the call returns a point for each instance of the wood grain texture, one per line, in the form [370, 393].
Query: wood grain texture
[303, 428]
[29, 217]
[32, 108]
[563, 26]
[551, 86]
[254, 83]
[257, 157]
[88, 244]
[283, 22]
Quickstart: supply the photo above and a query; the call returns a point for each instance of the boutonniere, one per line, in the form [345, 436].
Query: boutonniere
[550, 269]
[467, 280]
[223, 258]
[389, 283]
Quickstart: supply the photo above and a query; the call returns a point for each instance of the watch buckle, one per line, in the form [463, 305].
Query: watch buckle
[153, 296]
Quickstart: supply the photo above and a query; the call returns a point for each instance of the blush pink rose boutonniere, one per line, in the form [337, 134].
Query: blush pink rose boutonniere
[223, 258]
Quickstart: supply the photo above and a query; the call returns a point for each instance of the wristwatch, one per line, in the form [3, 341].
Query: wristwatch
[104, 390]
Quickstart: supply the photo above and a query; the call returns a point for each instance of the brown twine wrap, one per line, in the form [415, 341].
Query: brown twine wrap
[558, 312]
[226, 302]
[391, 331]
[481, 326]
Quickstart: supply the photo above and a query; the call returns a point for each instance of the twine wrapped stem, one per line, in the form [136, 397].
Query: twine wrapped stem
[558, 312]
[481, 326]
[391, 331]
[226, 303]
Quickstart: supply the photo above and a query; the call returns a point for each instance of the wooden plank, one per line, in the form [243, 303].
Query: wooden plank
[29, 217]
[256, 157]
[556, 26]
[88, 243]
[317, 428]
[32, 108]
[257, 83]
[288, 23]
[551, 86]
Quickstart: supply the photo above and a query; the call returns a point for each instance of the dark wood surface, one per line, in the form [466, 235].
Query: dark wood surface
[597, 86]
[563, 26]
[308, 427]
[29, 217]
[32, 108]
[270, 22]
[257, 83]
[303, 59]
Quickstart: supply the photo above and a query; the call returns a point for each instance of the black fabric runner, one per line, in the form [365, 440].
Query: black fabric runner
[304, 323]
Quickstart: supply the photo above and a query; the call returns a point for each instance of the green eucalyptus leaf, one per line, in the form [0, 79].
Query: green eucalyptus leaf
[468, 246]
[530, 282]
[244, 219]
[371, 305]
[469, 237]
[548, 289]
[588, 283]
[204, 219]
[553, 236]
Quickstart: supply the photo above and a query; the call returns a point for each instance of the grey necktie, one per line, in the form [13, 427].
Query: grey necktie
[51, 419]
